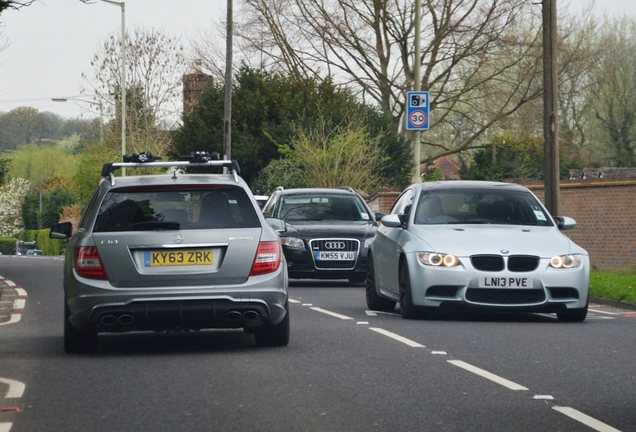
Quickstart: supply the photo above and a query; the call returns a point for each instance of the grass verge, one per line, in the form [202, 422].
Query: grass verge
[620, 286]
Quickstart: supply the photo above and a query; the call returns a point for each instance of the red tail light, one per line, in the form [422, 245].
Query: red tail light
[267, 258]
[88, 263]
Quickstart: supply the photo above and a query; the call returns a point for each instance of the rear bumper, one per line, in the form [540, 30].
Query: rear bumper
[183, 314]
[97, 306]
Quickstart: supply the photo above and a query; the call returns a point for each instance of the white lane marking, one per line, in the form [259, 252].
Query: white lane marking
[5, 427]
[604, 312]
[438, 352]
[18, 305]
[15, 317]
[585, 419]
[375, 313]
[543, 397]
[363, 322]
[485, 374]
[16, 388]
[293, 301]
[397, 337]
[333, 314]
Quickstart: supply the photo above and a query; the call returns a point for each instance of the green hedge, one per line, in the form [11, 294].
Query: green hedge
[47, 245]
[7, 245]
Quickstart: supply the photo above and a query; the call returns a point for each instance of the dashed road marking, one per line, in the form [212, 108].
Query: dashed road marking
[585, 419]
[485, 374]
[397, 337]
[333, 314]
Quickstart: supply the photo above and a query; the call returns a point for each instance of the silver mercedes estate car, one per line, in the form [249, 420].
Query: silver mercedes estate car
[173, 252]
[482, 245]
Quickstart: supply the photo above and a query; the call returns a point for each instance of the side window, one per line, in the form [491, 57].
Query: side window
[404, 203]
[270, 205]
[91, 210]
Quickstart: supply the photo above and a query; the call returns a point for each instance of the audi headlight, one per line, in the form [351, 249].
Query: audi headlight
[293, 242]
[438, 259]
[565, 261]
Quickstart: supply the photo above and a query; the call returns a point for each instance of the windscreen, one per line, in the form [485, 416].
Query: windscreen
[480, 207]
[322, 207]
[175, 208]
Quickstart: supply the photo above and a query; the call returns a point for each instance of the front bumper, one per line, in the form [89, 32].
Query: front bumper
[552, 289]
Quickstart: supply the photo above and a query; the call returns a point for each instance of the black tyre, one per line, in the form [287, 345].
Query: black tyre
[374, 301]
[274, 335]
[573, 315]
[75, 341]
[407, 309]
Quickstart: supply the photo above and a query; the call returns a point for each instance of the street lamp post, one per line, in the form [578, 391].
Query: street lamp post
[417, 176]
[122, 5]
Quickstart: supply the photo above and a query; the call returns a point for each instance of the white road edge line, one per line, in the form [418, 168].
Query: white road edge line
[5, 427]
[485, 374]
[604, 312]
[293, 301]
[333, 314]
[585, 419]
[397, 337]
[16, 388]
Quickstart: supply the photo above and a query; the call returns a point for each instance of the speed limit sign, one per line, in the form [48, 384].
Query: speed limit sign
[418, 118]
[417, 113]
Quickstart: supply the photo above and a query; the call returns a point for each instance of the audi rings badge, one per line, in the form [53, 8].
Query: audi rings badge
[335, 245]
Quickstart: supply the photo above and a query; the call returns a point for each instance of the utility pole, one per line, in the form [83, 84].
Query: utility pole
[550, 107]
[227, 111]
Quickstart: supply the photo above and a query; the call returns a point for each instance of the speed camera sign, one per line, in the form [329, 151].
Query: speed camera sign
[417, 110]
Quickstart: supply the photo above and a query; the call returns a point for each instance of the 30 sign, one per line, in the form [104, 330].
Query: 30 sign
[417, 110]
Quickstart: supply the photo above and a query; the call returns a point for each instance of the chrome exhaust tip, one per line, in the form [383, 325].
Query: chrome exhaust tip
[234, 316]
[126, 319]
[251, 316]
[108, 320]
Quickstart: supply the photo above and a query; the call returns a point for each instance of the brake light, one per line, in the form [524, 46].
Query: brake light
[88, 264]
[267, 258]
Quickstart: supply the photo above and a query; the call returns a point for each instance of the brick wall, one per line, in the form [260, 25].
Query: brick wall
[605, 214]
[604, 210]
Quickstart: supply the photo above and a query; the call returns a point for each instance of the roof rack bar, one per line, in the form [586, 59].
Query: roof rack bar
[109, 168]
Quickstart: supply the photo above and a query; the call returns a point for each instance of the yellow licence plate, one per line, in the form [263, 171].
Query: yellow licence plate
[178, 258]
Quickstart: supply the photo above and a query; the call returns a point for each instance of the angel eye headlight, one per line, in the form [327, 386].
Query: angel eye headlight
[565, 261]
[438, 259]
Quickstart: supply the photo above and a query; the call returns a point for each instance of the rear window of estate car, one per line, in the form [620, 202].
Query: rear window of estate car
[148, 208]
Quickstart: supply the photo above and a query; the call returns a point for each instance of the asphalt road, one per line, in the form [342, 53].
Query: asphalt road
[345, 369]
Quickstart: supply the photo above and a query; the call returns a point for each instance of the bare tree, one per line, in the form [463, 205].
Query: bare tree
[480, 59]
[155, 66]
[613, 97]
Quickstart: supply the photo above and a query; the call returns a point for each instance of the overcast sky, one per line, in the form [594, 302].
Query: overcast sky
[51, 42]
